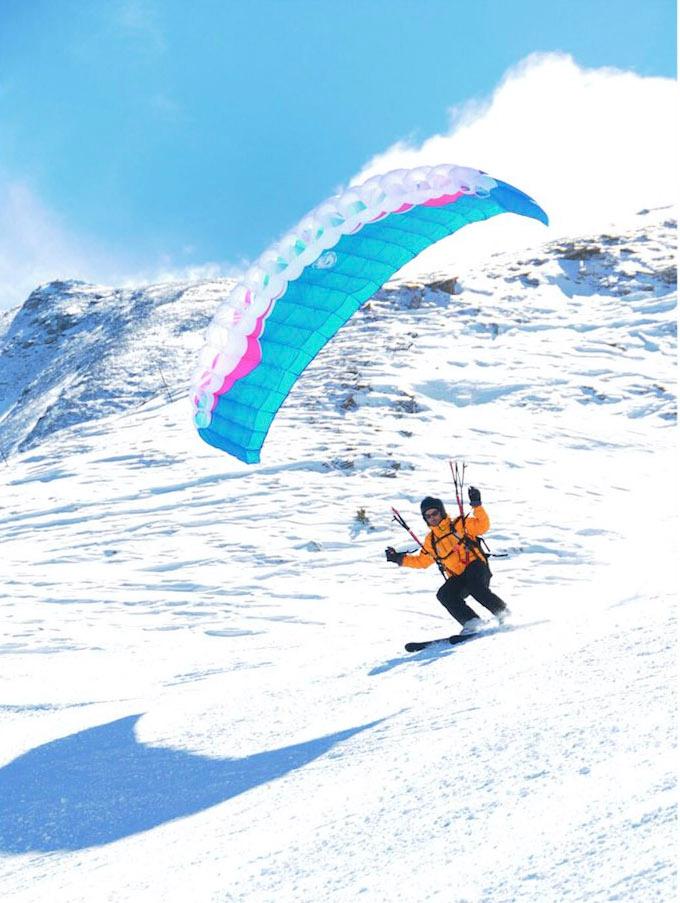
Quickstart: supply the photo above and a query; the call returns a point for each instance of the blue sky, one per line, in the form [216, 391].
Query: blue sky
[149, 135]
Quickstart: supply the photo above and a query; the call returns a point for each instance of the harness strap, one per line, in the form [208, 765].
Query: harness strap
[466, 541]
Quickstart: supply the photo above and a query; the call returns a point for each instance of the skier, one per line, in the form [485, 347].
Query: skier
[453, 545]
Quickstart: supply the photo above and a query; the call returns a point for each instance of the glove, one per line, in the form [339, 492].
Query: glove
[475, 496]
[393, 556]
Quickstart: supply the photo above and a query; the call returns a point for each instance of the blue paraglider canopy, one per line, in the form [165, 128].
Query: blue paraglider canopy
[303, 289]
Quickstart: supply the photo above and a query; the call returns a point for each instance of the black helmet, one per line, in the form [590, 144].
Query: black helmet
[428, 502]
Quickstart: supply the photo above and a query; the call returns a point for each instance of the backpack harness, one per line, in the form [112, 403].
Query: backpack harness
[478, 547]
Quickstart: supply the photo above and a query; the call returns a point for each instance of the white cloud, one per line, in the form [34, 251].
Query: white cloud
[35, 246]
[592, 146]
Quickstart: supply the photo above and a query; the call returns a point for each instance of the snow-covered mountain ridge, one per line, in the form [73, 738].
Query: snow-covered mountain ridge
[75, 352]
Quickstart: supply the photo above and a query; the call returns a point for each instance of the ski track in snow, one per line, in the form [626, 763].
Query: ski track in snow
[204, 692]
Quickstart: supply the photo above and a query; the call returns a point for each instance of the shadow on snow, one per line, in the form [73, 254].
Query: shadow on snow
[102, 784]
[441, 649]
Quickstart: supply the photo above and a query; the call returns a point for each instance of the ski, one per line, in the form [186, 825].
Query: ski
[442, 641]
[452, 640]
[416, 647]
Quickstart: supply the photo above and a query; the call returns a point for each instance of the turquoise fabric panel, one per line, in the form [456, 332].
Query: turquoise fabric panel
[321, 300]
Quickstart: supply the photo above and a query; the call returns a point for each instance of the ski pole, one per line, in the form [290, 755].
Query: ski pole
[402, 523]
[458, 482]
[458, 474]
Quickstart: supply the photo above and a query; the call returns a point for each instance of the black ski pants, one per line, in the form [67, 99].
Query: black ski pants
[474, 581]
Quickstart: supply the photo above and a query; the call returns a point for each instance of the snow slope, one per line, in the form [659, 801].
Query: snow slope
[204, 693]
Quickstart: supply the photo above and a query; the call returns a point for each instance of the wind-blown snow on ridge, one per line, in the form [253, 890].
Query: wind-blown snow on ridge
[204, 693]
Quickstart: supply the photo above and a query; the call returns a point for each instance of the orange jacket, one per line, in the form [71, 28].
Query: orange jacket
[443, 543]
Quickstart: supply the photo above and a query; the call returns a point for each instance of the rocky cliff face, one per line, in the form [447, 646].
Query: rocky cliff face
[74, 352]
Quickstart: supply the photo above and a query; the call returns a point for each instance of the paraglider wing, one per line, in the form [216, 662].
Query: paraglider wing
[303, 289]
